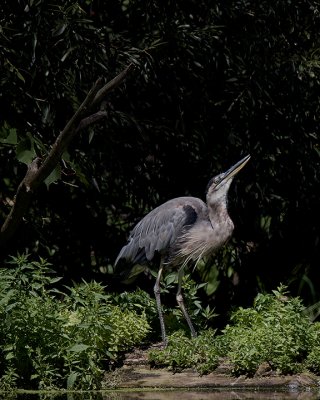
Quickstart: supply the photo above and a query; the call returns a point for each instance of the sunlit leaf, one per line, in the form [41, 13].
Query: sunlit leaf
[78, 348]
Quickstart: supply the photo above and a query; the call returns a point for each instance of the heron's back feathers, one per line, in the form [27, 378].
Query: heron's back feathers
[159, 230]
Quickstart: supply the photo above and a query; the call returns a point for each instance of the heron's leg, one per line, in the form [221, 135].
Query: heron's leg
[156, 290]
[181, 303]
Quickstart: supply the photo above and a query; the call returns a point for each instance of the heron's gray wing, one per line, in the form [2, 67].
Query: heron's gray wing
[159, 229]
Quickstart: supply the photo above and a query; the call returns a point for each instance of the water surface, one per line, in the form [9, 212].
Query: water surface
[167, 395]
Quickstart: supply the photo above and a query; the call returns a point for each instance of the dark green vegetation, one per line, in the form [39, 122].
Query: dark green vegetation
[68, 338]
[275, 331]
[51, 339]
[213, 81]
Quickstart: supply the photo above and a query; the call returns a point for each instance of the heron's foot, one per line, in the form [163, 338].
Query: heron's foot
[164, 343]
[194, 334]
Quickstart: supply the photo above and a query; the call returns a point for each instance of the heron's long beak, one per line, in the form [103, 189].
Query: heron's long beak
[235, 168]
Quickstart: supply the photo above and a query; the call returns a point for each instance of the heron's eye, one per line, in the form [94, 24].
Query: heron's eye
[213, 182]
[216, 180]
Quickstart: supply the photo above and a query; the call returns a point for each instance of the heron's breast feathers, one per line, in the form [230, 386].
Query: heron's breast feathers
[202, 240]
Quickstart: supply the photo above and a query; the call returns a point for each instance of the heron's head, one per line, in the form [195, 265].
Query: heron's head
[218, 186]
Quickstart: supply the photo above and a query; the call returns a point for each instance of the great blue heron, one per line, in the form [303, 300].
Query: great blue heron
[183, 230]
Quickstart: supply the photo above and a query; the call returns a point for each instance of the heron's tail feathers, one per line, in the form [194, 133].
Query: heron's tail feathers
[130, 262]
[130, 275]
[132, 253]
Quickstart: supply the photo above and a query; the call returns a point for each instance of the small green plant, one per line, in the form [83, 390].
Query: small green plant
[275, 331]
[68, 341]
[182, 352]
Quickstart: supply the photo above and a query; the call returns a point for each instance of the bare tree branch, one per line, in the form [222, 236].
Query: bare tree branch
[65, 137]
[21, 204]
[92, 119]
[115, 82]
[38, 171]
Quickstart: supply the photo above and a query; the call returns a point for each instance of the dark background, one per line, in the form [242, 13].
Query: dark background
[213, 81]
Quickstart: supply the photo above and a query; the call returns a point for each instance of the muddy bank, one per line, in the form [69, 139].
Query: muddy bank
[144, 377]
[137, 373]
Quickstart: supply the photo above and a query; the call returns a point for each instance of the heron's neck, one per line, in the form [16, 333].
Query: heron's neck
[218, 212]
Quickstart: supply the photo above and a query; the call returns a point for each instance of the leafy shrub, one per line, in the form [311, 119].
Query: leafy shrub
[49, 343]
[140, 303]
[182, 352]
[313, 358]
[30, 332]
[127, 330]
[275, 330]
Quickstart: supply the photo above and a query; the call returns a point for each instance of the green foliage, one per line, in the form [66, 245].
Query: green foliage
[138, 301]
[275, 330]
[49, 343]
[201, 315]
[141, 303]
[127, 330]
[313, 359]
[182, 352]
[53, 339]
[211, 82]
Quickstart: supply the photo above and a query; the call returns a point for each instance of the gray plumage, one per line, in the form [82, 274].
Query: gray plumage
[181, 231]
[160, 230]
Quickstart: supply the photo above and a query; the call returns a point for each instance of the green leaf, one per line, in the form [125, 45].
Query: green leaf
[66, 156]
[15, 70]
[9, 356]
[91, 135]
[71, 380]
[11, 306]
[59, 30]
[171, 278]
[78, 348]
[54, 280]
[11, 138]
[25, 151]
[54, 176]
[67, 54]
